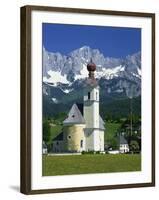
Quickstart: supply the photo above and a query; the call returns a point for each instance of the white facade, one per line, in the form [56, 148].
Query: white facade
[124, 148]
[91, 107]
[44, 150]
[94, 135]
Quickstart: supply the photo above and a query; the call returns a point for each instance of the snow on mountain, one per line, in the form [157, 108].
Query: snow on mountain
[55, 100]
[110, 72]
[55, 77]
[139, 71]
[67, 71]
[83, 73]
[66, 91]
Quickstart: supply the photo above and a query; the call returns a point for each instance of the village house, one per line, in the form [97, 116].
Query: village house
[44, 148]
[123, 145]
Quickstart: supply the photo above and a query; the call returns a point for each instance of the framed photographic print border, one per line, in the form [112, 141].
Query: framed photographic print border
[26, 106]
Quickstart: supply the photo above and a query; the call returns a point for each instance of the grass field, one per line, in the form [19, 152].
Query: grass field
[84, 164]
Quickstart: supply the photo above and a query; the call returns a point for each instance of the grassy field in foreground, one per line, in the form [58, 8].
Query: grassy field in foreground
[84, 164]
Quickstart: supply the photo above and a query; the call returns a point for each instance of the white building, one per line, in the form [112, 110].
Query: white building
[83, 129]
[44, 148]
[123, 145]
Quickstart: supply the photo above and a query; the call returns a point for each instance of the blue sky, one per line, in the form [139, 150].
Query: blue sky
[111, 41]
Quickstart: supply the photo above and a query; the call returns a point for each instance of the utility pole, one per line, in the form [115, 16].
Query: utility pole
[131, 128]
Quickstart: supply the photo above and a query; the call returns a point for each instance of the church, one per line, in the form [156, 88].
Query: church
[83, 129]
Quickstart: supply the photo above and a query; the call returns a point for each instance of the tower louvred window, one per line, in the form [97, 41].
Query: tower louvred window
[89, 95]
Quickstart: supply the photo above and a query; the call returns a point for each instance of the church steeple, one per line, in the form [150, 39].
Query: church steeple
[91, 67]
[91, 98]
[94, 125]
[91, 81]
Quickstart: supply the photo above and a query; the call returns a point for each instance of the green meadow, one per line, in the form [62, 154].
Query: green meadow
[90, 163]
[86, 164]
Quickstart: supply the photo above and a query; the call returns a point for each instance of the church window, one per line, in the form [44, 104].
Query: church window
[89, 95]
[96, 96]
[81, 144]
[69, 137]
[73, 116]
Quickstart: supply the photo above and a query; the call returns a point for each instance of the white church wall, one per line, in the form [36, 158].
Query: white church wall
[89, 140]
[94, 140]
[91, 114]
[91, 108]
[95, 94]
[101, 135]
[98, 140]
[88, 114]
[95, 115]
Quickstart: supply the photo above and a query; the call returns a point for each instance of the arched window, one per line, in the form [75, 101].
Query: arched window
[89, 95]
[81, 145]
[96, 96]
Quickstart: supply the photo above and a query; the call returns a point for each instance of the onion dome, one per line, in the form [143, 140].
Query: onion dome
[91, 67]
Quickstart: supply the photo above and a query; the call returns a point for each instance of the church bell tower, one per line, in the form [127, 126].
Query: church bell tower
[91, 98]
[91, 110]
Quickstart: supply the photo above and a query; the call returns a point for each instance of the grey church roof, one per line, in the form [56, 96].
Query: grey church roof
[74, 116]
[122, 140]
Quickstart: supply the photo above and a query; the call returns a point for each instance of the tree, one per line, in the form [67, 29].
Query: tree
[60, 116]
[134, 132]
[134, 146]
[46, 131]
[112, 143]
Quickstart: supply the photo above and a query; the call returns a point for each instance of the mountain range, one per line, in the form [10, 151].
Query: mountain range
[63, 78]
